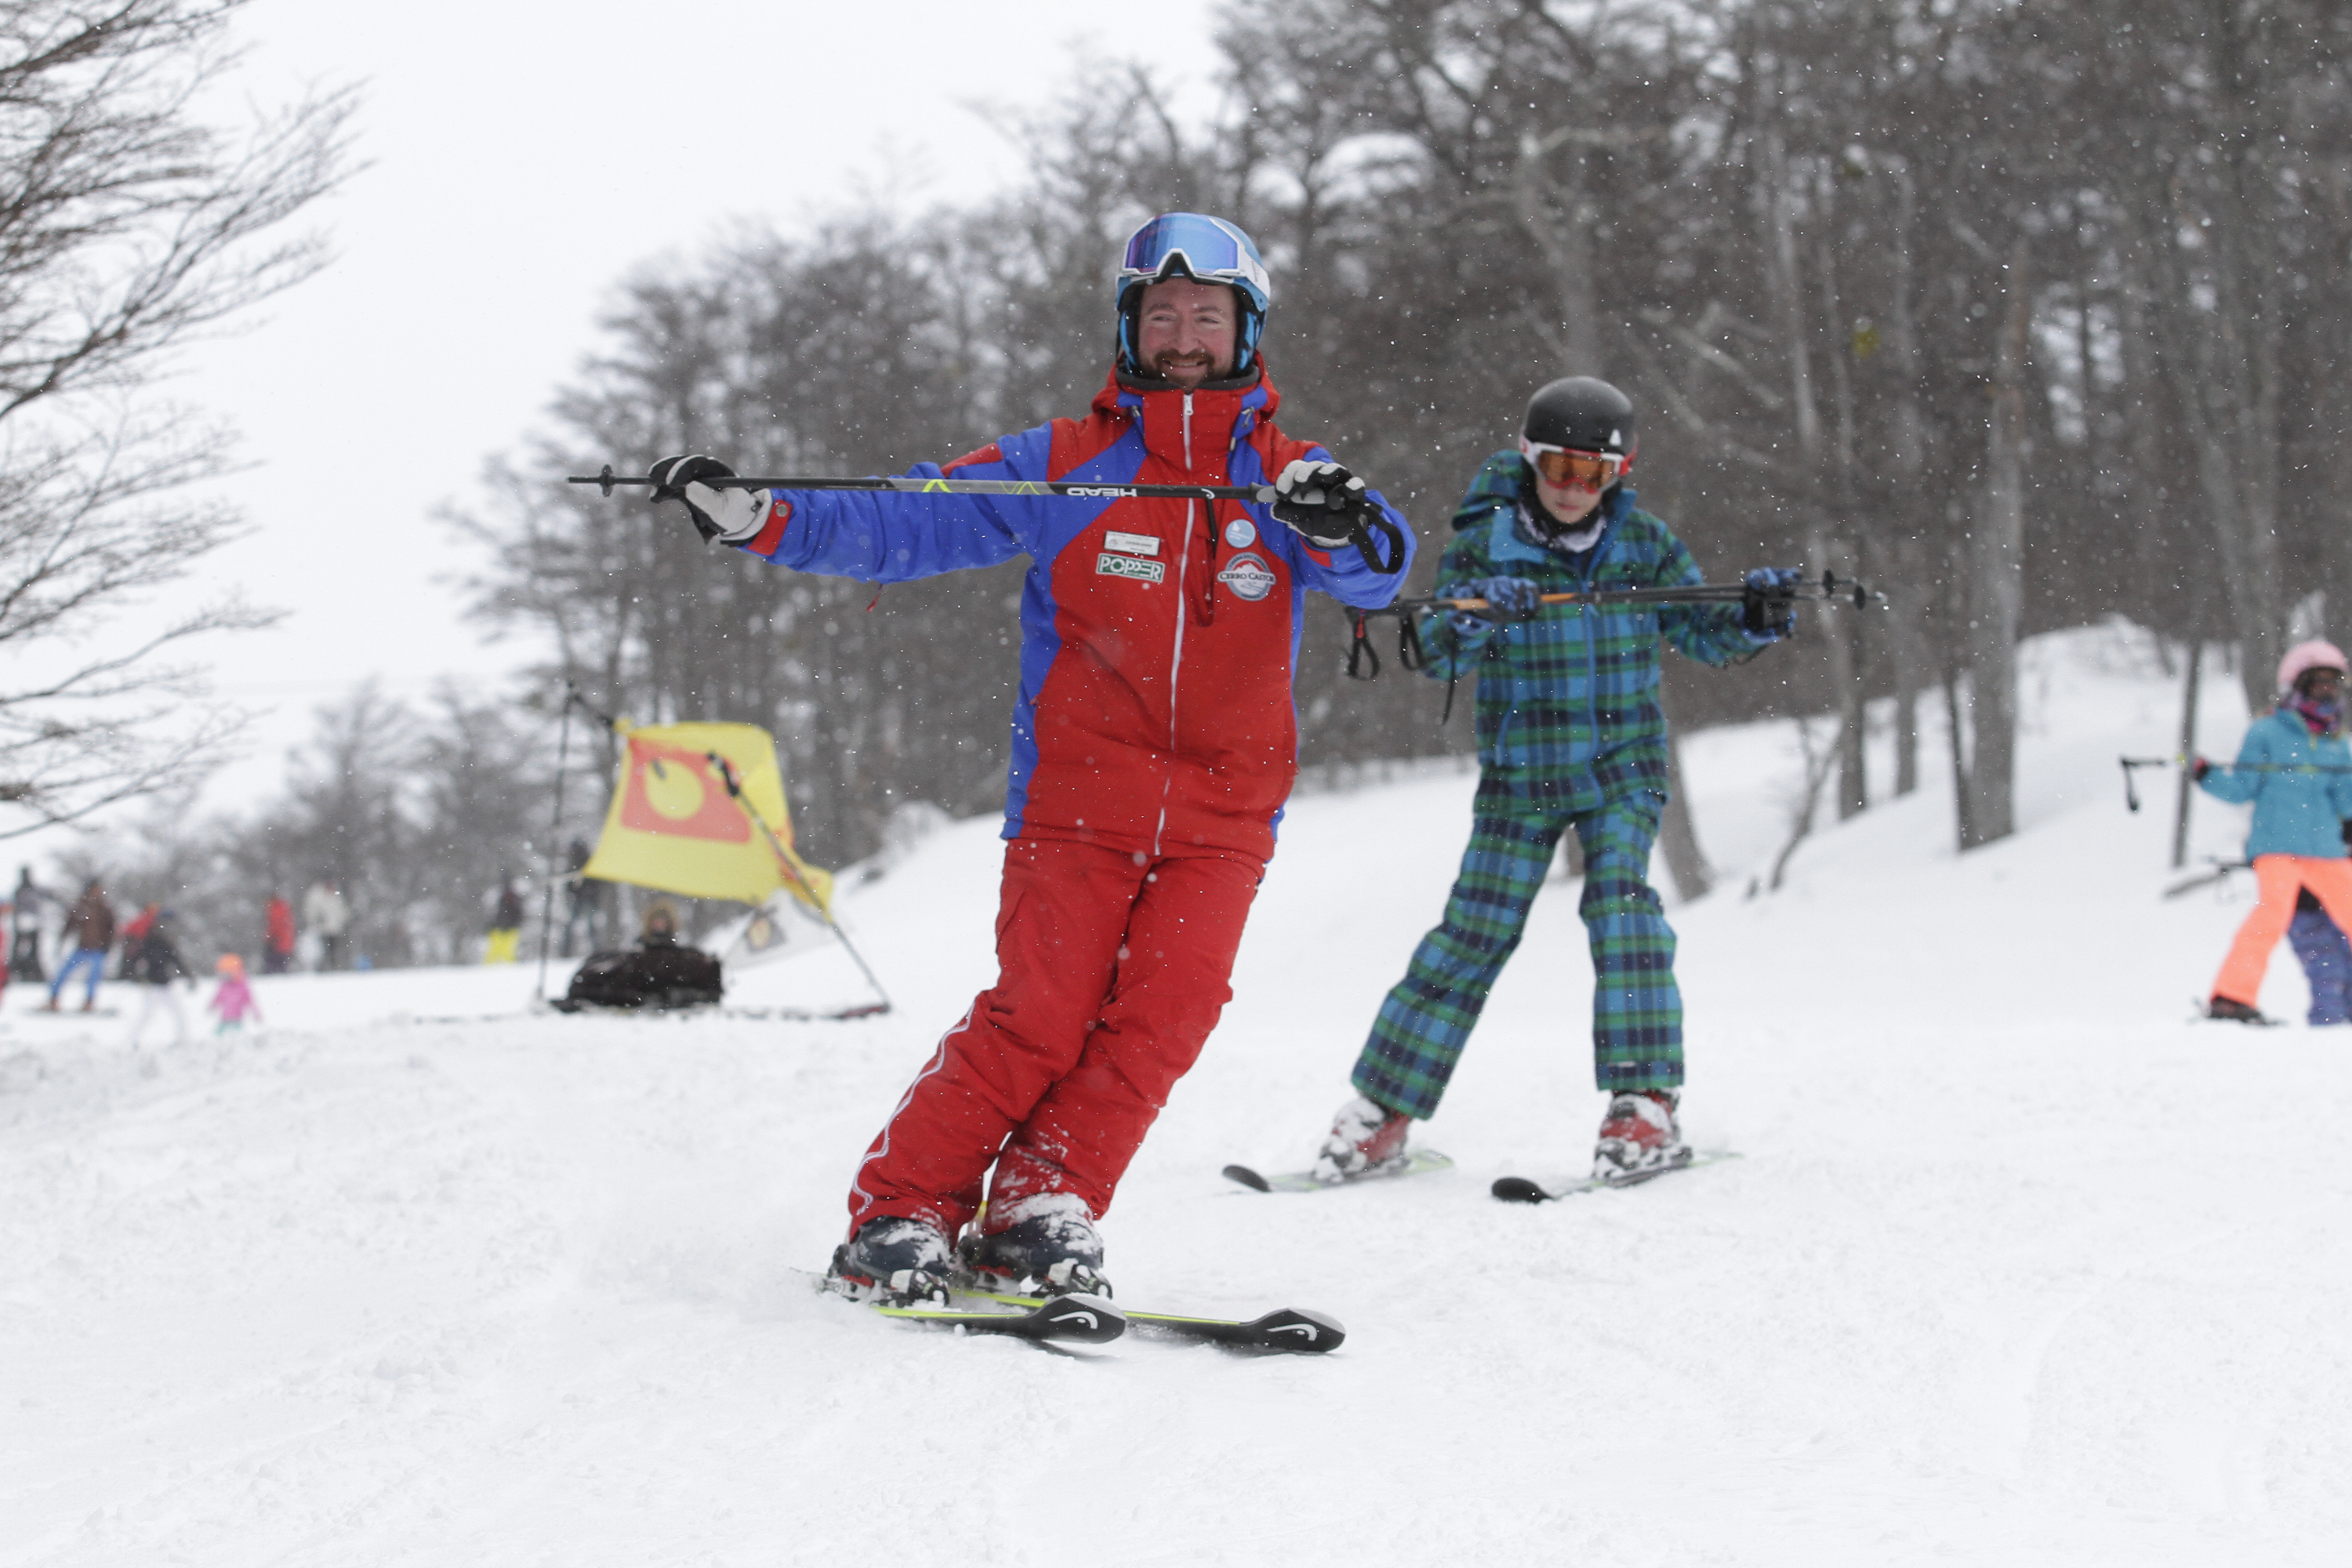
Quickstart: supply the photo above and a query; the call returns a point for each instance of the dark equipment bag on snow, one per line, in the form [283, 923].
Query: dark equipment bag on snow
[655, 976]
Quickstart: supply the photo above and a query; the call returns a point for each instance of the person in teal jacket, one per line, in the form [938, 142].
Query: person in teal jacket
[2297, 769]
[1572, 738]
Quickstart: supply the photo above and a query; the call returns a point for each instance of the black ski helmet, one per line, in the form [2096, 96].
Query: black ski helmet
[1584, 413]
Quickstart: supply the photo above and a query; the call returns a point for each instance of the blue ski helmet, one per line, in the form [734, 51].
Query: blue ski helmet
[1205, 249]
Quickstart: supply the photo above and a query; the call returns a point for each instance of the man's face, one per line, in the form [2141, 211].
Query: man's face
[1570, 503]
[1186, 331]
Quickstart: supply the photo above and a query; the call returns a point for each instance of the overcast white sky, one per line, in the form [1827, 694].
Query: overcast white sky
[523, 155]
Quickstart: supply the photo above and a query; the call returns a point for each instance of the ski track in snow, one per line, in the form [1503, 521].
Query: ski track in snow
[2018, 1266]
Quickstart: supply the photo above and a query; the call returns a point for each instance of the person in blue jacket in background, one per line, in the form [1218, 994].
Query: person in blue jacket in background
[2297, 769]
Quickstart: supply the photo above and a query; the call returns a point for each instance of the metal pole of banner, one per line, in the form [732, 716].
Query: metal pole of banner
[784, 865]
[554, 836]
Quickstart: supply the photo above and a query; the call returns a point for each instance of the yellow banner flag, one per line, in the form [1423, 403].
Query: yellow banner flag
[673, 826]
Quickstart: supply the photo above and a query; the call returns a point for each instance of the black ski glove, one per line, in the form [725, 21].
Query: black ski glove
[732, 515]
[1326, 504]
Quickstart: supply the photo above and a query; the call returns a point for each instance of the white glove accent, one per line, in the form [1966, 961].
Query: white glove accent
[1307, 483]
[739, 514]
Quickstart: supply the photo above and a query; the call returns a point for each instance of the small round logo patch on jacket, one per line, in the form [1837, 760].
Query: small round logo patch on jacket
[1248, 577]
[1240, 534]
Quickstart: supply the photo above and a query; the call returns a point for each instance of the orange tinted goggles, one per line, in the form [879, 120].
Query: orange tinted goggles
[1565, 465]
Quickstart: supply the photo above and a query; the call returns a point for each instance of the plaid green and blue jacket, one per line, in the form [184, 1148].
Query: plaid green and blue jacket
[1568, 702]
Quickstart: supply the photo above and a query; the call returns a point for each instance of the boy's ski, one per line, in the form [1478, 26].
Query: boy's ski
[1291, 1331]
[1414, 1164]
[1519, 1190]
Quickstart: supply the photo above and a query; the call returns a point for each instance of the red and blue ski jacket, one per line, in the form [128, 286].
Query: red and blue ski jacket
[1160, 638]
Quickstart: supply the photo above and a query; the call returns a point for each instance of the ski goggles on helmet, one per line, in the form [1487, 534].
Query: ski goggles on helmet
[1205, 249]
[1566, 466]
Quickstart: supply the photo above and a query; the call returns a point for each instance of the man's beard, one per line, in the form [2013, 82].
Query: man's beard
[1171, 360]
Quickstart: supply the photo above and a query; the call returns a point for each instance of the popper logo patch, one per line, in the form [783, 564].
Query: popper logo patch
[1109, 565]
[1249, 577]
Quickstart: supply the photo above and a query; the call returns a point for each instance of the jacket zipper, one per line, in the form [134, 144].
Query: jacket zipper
[1176, 656]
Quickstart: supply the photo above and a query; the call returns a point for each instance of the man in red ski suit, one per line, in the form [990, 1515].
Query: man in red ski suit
[1154, 741]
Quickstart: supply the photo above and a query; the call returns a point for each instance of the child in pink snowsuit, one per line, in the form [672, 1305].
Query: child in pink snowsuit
[234, 1001]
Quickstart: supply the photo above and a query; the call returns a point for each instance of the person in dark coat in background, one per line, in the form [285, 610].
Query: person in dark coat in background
[24, 930]
[151, 962]
[583, 899]
[2325, 957]
[506, 925]
[90, 929]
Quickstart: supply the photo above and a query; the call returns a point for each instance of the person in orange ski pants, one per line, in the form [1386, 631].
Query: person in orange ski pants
[2297, 769]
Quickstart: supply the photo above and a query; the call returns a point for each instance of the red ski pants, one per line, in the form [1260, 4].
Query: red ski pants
[2278, 877]
[1111, 970]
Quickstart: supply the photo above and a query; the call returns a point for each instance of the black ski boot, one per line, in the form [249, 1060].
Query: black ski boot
[895, 1259]
[2229, 1010]
[1051, 1253]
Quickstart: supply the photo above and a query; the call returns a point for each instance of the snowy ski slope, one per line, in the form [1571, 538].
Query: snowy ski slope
[2019, 1267]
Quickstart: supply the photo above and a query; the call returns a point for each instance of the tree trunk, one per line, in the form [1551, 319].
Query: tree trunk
[1678, 831]
[1836, 549]
[1907, 452]
[2189, 694]
[1996, 582]
[1559, 217]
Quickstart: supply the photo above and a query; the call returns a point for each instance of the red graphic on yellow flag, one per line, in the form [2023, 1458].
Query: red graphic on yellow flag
[672, 791]
[674, 824]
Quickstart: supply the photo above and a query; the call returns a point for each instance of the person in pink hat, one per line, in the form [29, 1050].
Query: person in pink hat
[233, 1000]
[2297, 769]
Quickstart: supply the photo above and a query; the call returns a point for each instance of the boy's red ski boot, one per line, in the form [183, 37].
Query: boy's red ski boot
[1366, 1139]
[1640, 1136]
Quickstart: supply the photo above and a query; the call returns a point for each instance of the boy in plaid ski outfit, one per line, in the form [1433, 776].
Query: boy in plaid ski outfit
[1570, 736]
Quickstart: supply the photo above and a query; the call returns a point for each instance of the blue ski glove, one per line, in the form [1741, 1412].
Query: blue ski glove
[1507, 599]
[1769, 611]
[730, 515]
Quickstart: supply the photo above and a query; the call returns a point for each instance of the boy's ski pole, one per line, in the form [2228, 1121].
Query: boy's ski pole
[1831, 589]
[1364, 662]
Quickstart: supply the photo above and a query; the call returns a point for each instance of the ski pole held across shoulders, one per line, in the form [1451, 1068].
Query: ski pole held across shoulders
[1830, 589]
[906, 484]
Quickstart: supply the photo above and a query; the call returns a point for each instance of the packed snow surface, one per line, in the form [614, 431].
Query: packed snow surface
[2019, 1264]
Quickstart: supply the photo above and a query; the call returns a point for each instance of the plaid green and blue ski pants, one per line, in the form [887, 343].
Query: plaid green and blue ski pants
[1637, 1009]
